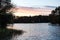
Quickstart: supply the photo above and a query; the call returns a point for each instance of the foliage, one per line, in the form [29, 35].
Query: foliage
[6, 17]
[32, 19]
[55, 16]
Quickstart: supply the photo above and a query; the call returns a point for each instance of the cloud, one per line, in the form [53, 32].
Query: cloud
[30, 11]
[53, 7]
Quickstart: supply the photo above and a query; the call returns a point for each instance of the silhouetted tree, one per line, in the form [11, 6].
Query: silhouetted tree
[55, 16]
[6, 17]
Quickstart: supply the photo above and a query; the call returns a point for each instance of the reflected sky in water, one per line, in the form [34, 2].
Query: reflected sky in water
[37, 31]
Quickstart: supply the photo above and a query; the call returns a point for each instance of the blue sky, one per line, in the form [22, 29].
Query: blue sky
[36, 3]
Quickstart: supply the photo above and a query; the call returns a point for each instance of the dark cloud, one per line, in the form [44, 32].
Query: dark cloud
[50, 6]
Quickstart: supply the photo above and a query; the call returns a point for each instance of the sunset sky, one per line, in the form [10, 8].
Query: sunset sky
[34, 7]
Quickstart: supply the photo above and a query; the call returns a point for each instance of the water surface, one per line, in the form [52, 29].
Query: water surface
[37, 31]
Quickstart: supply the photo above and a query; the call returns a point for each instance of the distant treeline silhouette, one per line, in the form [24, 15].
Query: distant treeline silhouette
[32, 19]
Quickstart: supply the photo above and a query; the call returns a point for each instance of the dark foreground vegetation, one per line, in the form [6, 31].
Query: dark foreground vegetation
[55, 16]
[6, 17]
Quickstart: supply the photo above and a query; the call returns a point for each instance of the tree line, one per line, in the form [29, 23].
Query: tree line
[55, 16]
[32, 19]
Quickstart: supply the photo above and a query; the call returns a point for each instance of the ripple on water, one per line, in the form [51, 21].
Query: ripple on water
[39, 31]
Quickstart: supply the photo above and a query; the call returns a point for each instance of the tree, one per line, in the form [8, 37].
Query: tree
[6, 17]
[55, 16]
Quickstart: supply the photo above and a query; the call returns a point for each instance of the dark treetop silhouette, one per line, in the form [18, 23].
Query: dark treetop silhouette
[55, 16]
[5, 16]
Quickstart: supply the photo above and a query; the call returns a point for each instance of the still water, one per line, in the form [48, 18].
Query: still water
[37, 31]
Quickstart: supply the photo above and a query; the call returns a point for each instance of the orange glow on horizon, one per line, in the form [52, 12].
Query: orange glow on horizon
[30, 11]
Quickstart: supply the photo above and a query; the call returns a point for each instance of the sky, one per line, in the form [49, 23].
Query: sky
[35, 5]
[28, 11]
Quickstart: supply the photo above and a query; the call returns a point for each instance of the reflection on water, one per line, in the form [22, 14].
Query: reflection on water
[39, 31]
[7, 34]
